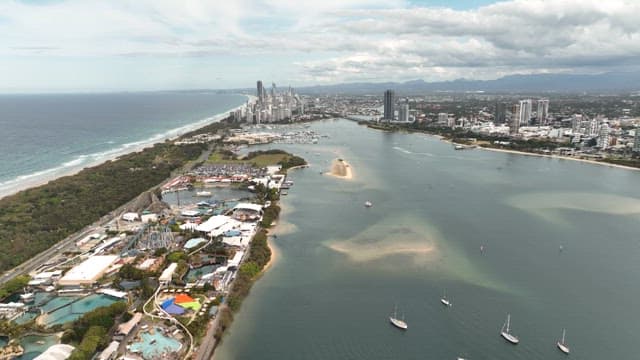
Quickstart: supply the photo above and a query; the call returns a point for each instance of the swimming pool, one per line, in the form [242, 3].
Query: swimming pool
[195, 274]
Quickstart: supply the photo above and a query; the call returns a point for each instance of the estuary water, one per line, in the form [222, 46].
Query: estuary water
[47, 136]
[342, 267]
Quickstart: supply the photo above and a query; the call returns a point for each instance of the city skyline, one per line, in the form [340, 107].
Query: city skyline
[68, 45]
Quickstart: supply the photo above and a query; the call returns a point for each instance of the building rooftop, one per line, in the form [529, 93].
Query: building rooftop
[89, 270]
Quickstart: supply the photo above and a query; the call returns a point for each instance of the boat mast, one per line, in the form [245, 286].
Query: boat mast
[563, 333]
[508, 322]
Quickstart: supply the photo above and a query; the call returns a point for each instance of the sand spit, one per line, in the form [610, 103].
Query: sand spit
[341, 169]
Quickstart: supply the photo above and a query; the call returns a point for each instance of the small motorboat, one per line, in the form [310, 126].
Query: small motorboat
[368, 204]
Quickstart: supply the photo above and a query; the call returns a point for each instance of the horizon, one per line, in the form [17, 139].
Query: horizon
[96, 47]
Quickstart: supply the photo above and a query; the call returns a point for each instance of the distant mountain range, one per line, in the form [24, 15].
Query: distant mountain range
[607, 82]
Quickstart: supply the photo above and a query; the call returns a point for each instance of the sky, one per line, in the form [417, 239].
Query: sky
[118, 45]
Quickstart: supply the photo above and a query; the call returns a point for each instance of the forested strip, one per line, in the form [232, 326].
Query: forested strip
[35, 219]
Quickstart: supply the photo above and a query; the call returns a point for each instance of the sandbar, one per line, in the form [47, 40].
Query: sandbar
[341, 169]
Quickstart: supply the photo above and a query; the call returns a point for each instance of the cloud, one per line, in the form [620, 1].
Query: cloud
[336, 40]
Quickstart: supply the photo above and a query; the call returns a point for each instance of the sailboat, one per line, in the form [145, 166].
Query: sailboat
[506, 334]
[400, 324]
[445, 301]
[562, 345]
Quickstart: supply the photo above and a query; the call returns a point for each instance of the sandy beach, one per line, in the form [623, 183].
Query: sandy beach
[341, 169]
[560, 157]
[39, 178]
[275, 253]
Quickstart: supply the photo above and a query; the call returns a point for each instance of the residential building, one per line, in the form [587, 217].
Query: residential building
[501, 113]
[403, 113]
[603, 136]
[389, 105]
[525, 112]
[543, 111]
[514, 125]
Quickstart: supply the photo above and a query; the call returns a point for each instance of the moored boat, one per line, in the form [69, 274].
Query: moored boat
[446, 302]
[506, 334]
[400, 324]
[562, 345]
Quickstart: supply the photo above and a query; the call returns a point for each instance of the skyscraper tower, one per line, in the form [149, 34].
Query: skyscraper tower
[501, 113]
[260, 92]
[543, 111]
[525, 112]
[514, 125]
[389, 102]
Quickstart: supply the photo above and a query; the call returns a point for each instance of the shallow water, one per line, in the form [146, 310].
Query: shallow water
[323, 302]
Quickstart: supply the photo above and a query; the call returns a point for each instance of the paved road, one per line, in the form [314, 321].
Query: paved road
[205, 351]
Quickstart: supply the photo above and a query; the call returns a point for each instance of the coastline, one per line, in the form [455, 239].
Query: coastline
[593, 162]
[38, 178]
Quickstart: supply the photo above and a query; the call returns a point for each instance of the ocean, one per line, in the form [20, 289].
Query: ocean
[341, 267]
[47, 136]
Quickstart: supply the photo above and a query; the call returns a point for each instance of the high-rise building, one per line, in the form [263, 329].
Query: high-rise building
[514, 125]
[403, 112]
[576, 123]
[593, 127]
[603, 137]
[260, 92]
[389, 103]
[501, 113]
[443, 119]
[525, 112]
[636, 141]
[543, 111]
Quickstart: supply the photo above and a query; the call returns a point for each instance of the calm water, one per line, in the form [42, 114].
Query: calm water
[78, 308]
[45, 136]
[342, 267]
[35, 345]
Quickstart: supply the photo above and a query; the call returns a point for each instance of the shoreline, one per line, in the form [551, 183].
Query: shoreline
[42, 177]
[593, 162]
[517, 152]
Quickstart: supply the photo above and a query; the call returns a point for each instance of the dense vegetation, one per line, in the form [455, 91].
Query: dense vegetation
[259, 255]
[270, 214]
[14, 285]
[89, 332]
[35, 219]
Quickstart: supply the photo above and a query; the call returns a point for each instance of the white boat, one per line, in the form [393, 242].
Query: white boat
[506, 334]
[203, 193]
[445, 301]
[459, 147]
[368, 204]
[562, 345]
[400, 324]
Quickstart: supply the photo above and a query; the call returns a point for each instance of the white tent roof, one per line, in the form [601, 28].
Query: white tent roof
[56, 352]
[249, 206]
[213, 223]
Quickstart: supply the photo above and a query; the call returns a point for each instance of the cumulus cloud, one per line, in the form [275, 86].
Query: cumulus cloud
[338, 40]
